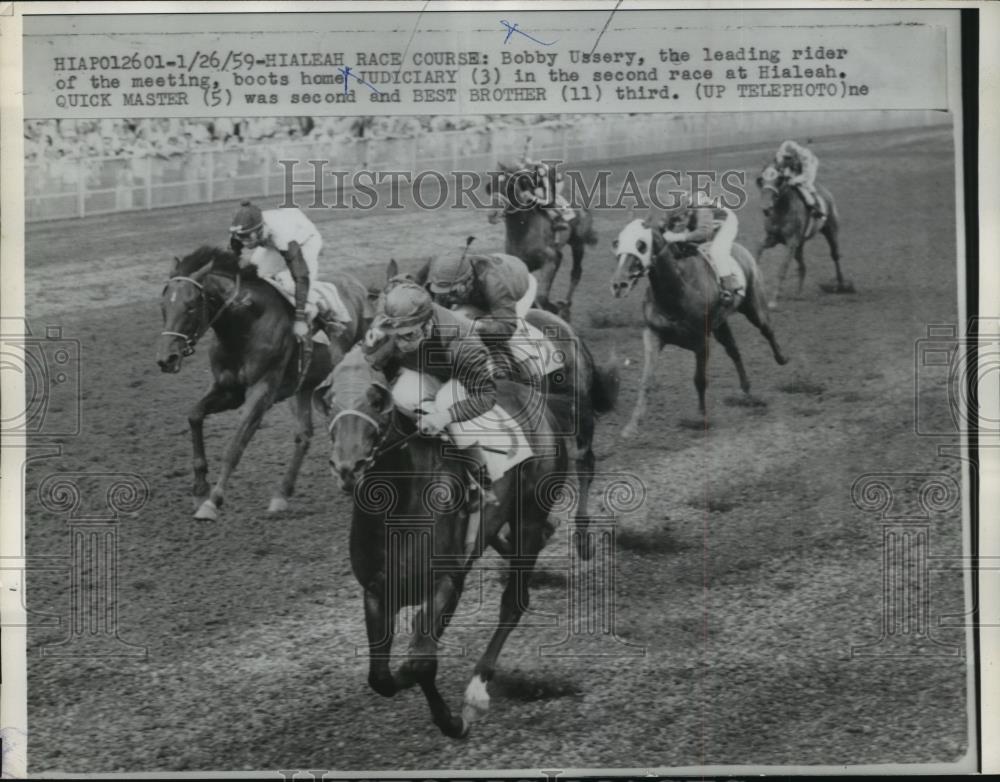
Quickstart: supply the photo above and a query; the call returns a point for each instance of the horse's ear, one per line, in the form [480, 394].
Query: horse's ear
[391, 270]
[176, 266]
[198, 275]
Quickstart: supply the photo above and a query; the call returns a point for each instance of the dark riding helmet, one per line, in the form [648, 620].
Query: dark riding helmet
[448, 273]
[248, 218]
[406, 307]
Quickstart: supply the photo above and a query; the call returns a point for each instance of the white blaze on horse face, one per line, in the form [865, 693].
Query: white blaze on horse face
[636, 238]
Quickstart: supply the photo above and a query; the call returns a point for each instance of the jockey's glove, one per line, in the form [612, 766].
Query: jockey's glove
[301, 326]
[434, 423]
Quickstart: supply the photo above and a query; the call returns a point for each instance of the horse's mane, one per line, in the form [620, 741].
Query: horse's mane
[353, 375]
[223, 260]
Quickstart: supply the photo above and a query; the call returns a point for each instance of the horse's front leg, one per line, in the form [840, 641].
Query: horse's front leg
[422, 662]
[651, 345]
[379, 616]
[302, 406]
[216, 400]
[546, 276]
[786, 262]
[724, 335]
[514, 602]
[259, 398]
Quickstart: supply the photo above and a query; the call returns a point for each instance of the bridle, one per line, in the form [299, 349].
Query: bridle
[190, 340]
[381, 448]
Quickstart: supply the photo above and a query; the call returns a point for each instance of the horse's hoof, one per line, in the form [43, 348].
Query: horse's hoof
[477, 701]
[198, 501]
[278, 505]
[459, 729]
[630, 431]
[207, 511]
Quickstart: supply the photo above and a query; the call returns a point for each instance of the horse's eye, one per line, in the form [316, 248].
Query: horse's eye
[641, 247]
[614, 244]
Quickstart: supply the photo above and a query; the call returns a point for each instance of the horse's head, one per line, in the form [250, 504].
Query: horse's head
[510, 185]
[184, 311]
[770, 182]
[358, 398]
[634, 250]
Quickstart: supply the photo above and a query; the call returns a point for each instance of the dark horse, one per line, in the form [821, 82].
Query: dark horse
[410, 543]
[682, 305]
[592, 388]
[787, 221]
[530, 236]
[254, 357]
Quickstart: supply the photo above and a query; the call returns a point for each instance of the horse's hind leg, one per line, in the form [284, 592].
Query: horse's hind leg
[576, 272]
[585, 463]
[830, 234]
[259, 398]
[754, 310]
[801, 265]
[422, 662]
[701, 373]
[216, 400]
[302, 404]
[724, 335]
[513, 603]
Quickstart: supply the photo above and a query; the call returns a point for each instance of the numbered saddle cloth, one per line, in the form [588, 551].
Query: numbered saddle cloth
[536, 350]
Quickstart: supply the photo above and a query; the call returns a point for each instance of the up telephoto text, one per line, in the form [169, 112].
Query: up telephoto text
[229, 77]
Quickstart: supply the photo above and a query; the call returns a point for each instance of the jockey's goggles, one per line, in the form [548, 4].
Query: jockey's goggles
[410, 336]
[245, 233]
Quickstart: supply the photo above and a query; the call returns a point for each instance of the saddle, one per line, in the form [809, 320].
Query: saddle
[324, 300]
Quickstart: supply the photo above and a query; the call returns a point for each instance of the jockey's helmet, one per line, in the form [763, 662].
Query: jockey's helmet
[448, 273]
[247, 222]
[407, 306]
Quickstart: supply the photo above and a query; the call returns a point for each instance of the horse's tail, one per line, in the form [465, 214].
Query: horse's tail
[606, 382]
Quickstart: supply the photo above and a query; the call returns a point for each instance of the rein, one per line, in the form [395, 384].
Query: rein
[190, 340]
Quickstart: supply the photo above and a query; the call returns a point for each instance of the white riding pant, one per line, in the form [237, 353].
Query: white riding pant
[270, 263]
[720, 251]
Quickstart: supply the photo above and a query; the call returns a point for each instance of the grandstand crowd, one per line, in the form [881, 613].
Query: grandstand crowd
[171, 137]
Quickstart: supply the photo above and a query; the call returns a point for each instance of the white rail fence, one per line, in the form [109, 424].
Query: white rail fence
[81, 187]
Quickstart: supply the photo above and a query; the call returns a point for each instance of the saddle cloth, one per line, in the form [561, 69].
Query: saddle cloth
[495, 438]
[535, 350]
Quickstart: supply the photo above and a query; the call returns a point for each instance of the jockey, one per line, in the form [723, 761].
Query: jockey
[498, 285]
[548, 192]
[430, 355]
[703, 223]
[290, 235]
[799, 166]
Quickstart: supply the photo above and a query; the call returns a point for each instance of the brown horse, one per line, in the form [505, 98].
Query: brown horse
[530, 237]
[410, 543]
[682, 305]
[254, 358]
[788, 221]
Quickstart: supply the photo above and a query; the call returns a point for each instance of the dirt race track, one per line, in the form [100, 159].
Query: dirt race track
[746, 575]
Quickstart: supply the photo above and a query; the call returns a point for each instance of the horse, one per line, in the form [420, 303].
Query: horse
[530, 237]
[787, 221]
[592, 388]
[254, 359]
[410, 543]
[682, 305]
